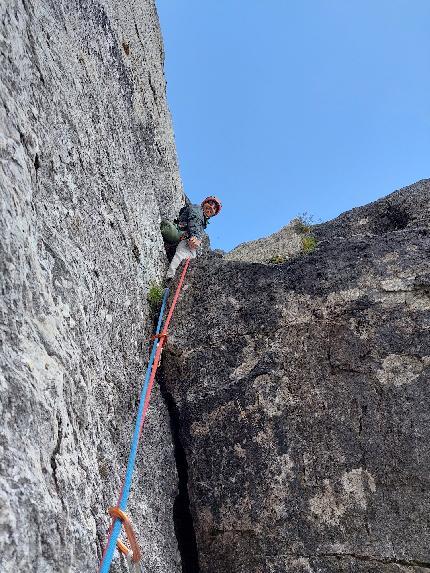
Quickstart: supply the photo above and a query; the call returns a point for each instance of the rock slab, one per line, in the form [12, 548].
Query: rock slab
[87, 170]
[303, 393]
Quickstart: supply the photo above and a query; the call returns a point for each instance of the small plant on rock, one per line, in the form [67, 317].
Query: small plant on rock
[309, 243]
[277, 259]
[155, 296]
[302, 224]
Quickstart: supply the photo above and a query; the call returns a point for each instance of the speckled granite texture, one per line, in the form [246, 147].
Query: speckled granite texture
[303, 396]
[292, 416]
[87, 169]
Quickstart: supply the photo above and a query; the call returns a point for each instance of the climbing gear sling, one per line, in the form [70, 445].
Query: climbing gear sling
[132, 555]
[154, 361]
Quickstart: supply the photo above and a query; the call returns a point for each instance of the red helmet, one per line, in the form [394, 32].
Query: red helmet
[216, 202]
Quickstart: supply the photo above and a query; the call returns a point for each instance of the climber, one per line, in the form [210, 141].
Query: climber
[185, 234]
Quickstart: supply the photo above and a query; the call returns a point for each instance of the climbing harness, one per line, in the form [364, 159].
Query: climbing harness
[119, 519]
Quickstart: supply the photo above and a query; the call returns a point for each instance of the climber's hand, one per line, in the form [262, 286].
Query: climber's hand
[194, 242]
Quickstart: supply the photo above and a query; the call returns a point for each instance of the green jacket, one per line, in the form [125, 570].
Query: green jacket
[191, 222]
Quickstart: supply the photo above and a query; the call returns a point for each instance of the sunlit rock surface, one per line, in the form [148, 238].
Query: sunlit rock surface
[303, 395]
[291, 429]
[87, 169]
[279, 246]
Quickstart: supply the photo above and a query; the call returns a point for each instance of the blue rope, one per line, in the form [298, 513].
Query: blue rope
[107, 560]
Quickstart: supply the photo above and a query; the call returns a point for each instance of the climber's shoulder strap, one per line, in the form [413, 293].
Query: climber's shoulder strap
[182, 213]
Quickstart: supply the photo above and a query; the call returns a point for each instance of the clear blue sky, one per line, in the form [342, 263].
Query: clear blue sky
[286, 106]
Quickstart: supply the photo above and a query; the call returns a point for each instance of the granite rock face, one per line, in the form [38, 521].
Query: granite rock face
[284, 244]
[298, 393]
[303, 397]
[87, 169]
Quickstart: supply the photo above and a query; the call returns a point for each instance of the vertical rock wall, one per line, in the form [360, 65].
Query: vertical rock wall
[303, 396]
[298, 393]
[87, 168]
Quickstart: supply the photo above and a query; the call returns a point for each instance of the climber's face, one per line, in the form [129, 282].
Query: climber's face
[209, 209]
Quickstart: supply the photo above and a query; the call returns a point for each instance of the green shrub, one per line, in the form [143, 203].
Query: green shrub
[309, 243]
[302, 224]
[155, 296]
[277, 259]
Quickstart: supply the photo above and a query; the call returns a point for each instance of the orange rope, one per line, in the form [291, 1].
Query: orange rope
[115, 527]
[160, 346]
